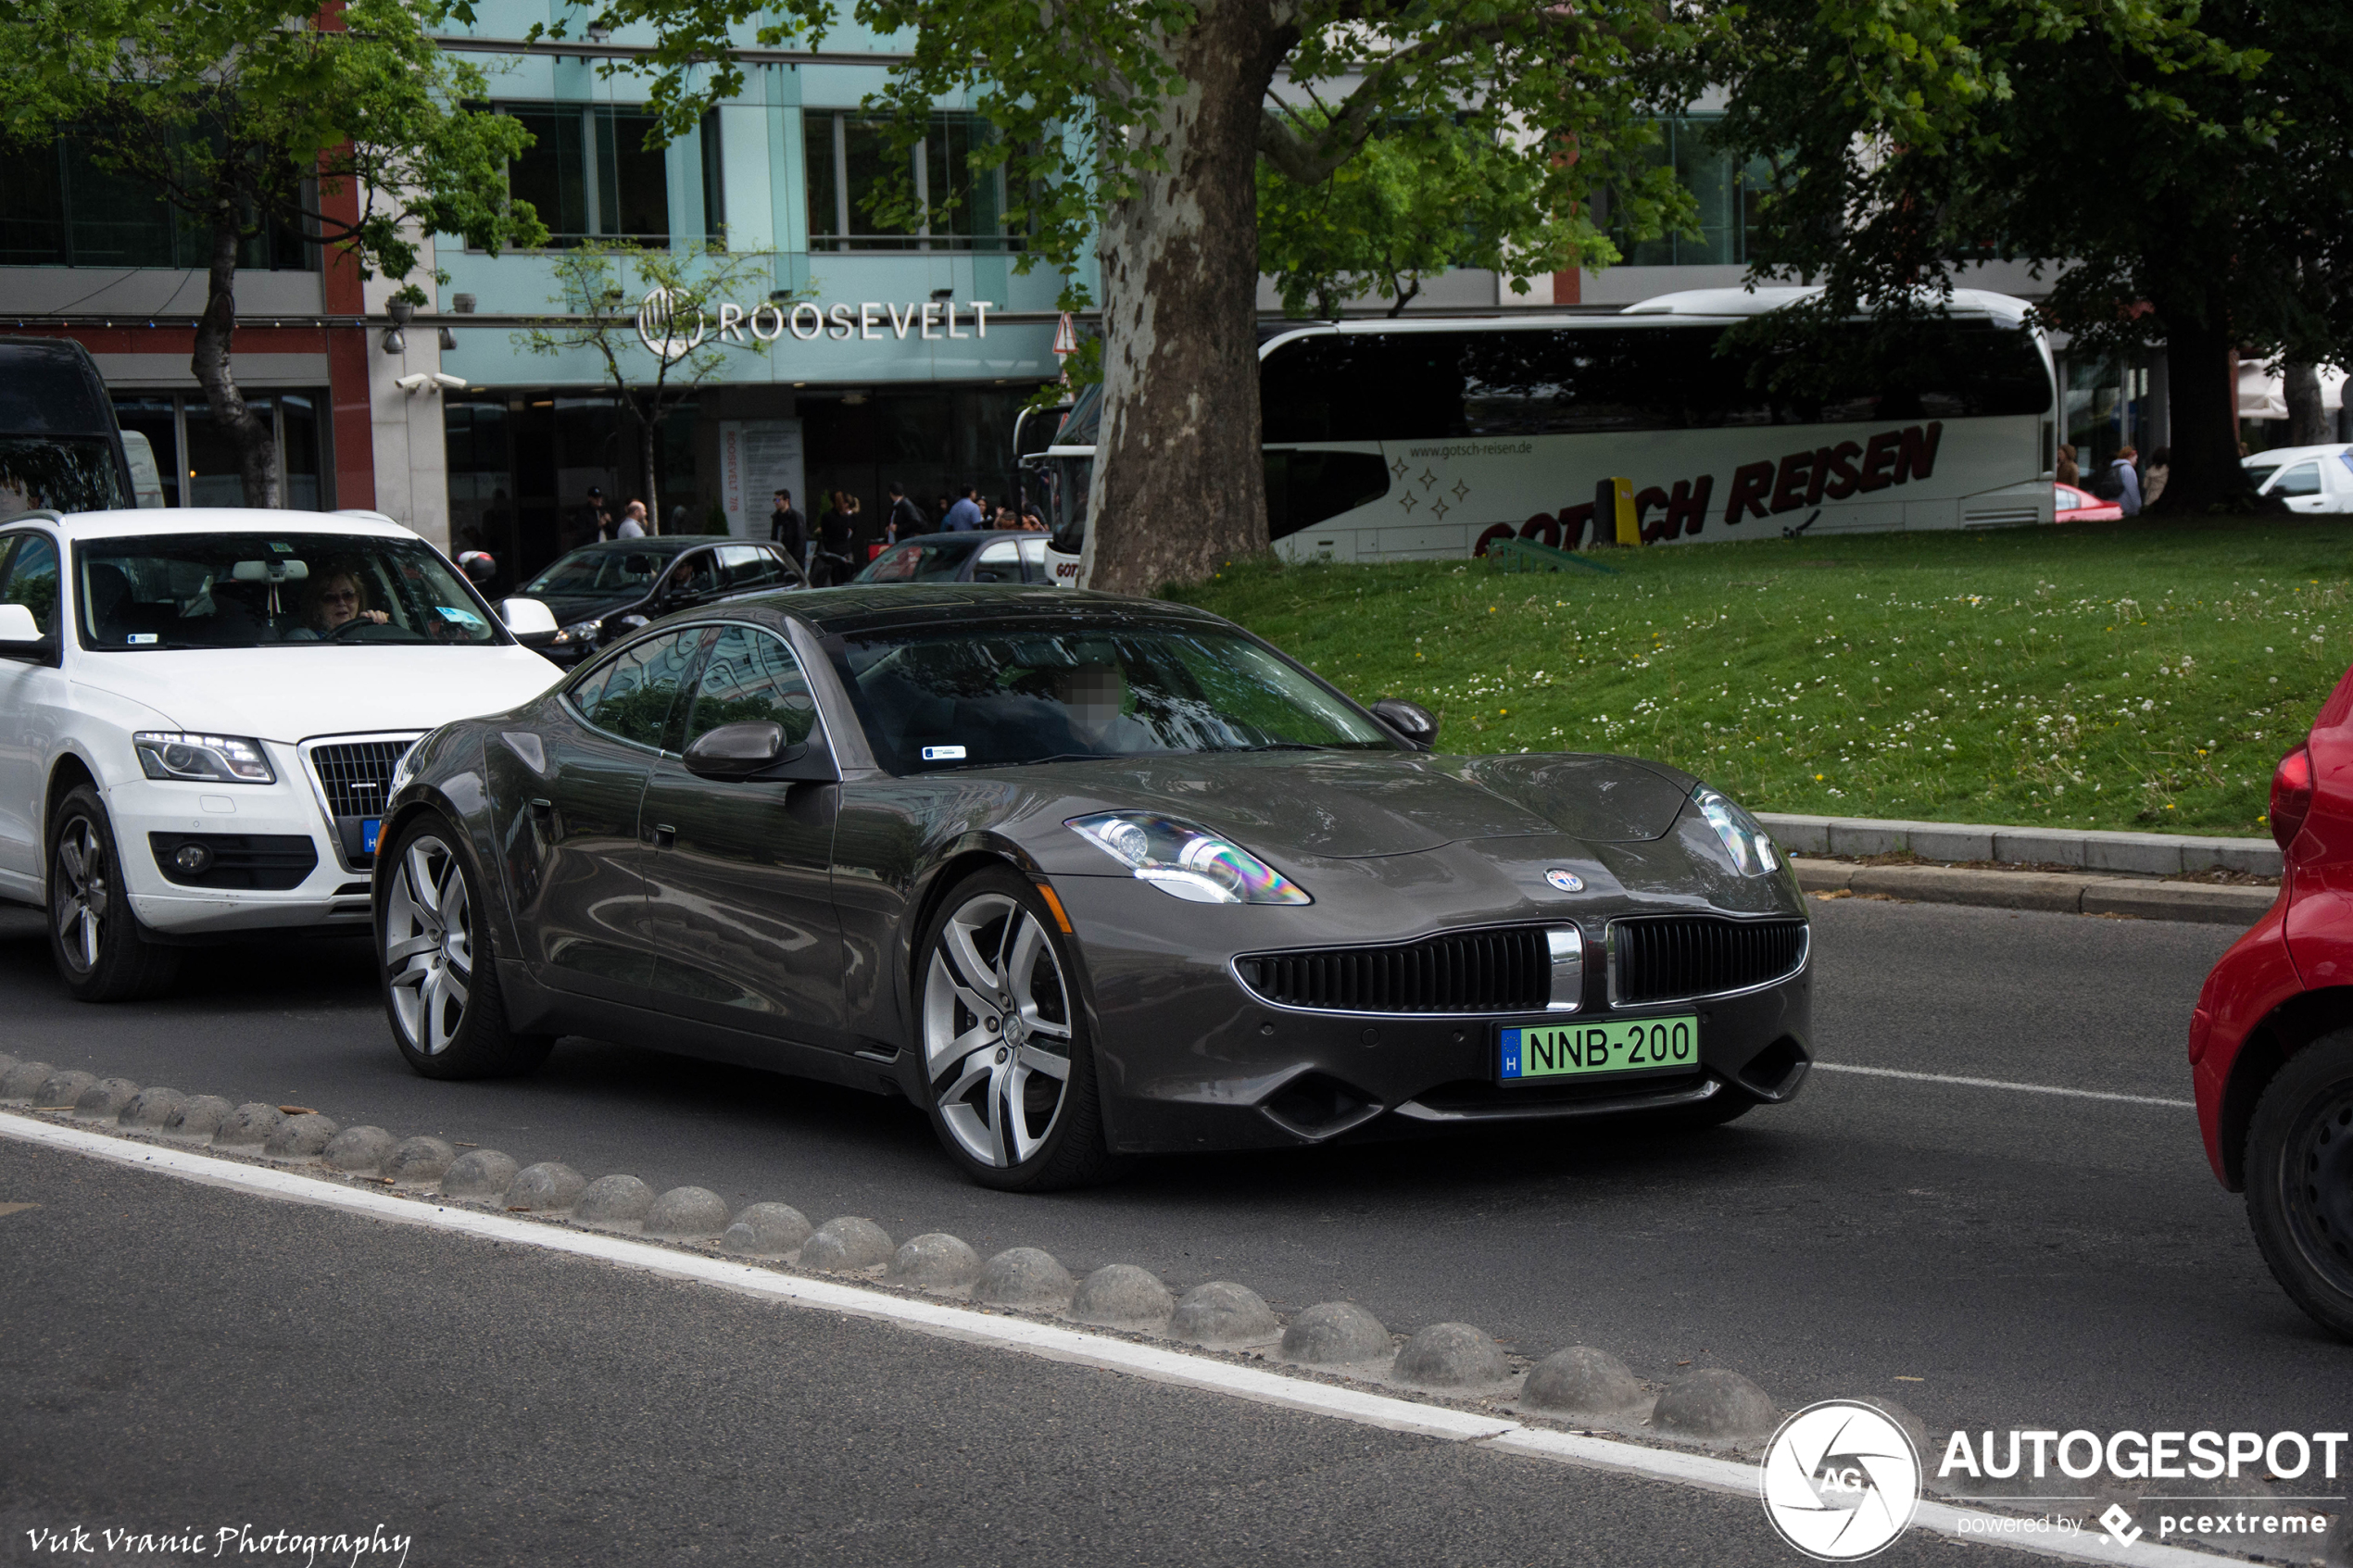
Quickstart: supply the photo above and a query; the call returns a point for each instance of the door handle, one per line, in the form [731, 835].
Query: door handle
[541, 808]
[664, 836]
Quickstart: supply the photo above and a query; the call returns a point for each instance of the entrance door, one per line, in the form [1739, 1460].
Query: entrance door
[737, 871]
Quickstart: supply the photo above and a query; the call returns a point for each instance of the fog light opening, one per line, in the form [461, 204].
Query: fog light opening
[1775, 1070]
[1317, 1106]
[192, 858]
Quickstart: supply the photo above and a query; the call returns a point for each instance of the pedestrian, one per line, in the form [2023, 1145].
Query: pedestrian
[680, 515]
[964, 516]
[590, 521]
[2125, 478]
[834, 531]
[788, 530]
[2153, 478]
[2067, 472]
[906, 518]
[633, 521]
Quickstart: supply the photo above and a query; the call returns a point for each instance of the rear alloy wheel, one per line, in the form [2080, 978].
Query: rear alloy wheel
[2299, 1180]
[102, 951]
[1006, 1061]
[440, 976]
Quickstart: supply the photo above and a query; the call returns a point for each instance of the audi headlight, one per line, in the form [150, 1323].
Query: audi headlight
[168, 754]
[1185, 861]
[1745, 837]
[578, 631]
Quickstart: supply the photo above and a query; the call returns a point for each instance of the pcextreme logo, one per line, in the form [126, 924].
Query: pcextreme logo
[1841, 1481]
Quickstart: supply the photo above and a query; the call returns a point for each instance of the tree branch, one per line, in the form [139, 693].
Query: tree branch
[1310, 159]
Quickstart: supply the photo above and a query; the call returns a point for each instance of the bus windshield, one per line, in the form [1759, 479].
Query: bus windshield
[65, 473]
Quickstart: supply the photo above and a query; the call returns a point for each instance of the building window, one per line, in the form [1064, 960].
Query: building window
[198, 464]
[60, 208]
[1725, 189]
[851, 161]
[714, 185]
[589, 174]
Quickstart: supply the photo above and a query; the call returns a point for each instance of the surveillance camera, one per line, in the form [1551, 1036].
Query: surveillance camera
[455, 384]
[415, 382]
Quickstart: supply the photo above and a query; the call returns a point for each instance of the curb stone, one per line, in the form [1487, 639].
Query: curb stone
[2150, 854]
[686, 1214]
[940, 1262]
[615, 1203]
[151, 1109]
[767, 1230]
[1223, 1315]
[104, 1101]
[1123, 1296]
[846, 1245]
[420, 1161]
[1024, 1276]
[1335, 1333]
[479, 1173]
[1711, 1403]
[2051, 892]
[1450, 1355]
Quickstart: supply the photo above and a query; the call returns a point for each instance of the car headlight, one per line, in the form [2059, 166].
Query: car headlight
[168, 754]
[1185, 861]
[578, 631]
[1745, 838]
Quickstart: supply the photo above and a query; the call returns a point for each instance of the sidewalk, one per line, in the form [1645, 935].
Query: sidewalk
[2142, 896]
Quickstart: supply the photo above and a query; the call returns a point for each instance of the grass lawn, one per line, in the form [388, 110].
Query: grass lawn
[2136, 676]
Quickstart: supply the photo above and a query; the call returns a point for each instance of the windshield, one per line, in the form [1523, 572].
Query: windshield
[65, 473]
[258, 590]
[2257, 471]
[932, 561]
[608, 574]
[935, 699]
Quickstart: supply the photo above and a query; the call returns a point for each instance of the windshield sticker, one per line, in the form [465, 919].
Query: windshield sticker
[137, 638]
[282, 549]
[943, 754]
[463, 617]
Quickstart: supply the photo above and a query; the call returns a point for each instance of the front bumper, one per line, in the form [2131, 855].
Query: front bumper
[1191, 1059]
[333, 895]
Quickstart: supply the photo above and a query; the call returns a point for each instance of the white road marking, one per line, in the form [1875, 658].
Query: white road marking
[2004, 1084]
[1056, 1342]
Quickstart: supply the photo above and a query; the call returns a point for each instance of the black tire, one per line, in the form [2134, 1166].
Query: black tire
[102, 952]
[988, 1047]
[2299, 1180]
[440, 972]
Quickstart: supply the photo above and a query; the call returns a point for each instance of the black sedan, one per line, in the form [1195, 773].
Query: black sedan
[1082, 876]
[602, 592]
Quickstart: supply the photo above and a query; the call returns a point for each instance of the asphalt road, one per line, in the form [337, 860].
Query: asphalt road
[1989, 1258]
[182, 1359]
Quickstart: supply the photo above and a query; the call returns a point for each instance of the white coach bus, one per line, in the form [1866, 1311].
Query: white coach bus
[1433, 438]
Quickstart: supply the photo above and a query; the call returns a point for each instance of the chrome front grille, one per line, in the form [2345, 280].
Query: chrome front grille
[1513, 969]
[1677, 958]
[353, 780]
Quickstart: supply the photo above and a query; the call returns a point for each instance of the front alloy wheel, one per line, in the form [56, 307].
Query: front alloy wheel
[428, 945]
[440, 971]
[1010, 1081]
[102, 951]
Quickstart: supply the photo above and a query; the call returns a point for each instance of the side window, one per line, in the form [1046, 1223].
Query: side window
[1033, 559]
[32, 578]
[750, 676]
[692, 577]
[2304, 479]
[632, 695]
[747, 566]
[999, 562]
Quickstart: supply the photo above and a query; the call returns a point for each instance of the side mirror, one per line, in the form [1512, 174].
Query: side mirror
[527, 618]
[756, 750]
[18, 629]
[1411, 720]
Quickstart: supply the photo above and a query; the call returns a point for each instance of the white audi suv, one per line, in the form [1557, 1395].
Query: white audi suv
[201, 710]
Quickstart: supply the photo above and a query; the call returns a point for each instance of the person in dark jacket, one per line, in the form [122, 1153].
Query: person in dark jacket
[906, 518]
[788, 529]
[834, 531]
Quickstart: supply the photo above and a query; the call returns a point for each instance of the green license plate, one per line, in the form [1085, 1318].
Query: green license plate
[1574, 1050]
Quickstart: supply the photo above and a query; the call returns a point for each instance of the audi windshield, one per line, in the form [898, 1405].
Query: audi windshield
[256, 590]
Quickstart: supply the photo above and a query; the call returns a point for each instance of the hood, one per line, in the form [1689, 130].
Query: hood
[293, 691]
[1348, 805]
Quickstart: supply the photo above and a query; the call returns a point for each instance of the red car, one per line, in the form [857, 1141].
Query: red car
[2081, 506]
[2272, 1041]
